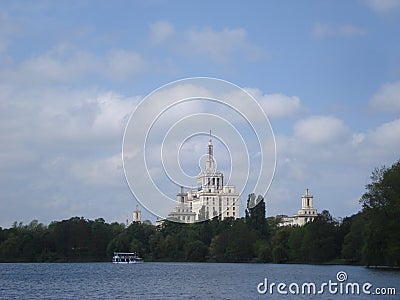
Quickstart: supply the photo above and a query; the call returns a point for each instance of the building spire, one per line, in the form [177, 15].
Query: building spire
[210, 147]
[210, 167]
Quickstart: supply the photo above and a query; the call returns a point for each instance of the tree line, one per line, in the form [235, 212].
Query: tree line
[370, 237]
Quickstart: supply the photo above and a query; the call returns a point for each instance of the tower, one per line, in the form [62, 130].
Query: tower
[210, 164]
[307, 201]
[307, 212]
[137, 215]
[209, 178]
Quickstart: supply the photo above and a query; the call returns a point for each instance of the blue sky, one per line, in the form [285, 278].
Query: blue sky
[327, 73]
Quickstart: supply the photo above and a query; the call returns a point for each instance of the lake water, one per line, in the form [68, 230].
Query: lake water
[185, 281]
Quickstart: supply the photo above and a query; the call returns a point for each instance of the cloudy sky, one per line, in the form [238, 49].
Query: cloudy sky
[327, 73]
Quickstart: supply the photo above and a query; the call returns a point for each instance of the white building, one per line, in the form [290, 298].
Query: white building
[307, 213]
[211, 199]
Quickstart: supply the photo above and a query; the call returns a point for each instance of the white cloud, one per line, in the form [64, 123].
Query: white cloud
[62, 147]
[216, 45]
[277, 105]
[7, 28]
[358, 138]
[65, 63]
[319, 130]
[221, 45]
[386, 137]
[160, 31]
[383, 6]
[58, 120]
[121, 64]
[340, 160]
[99, 172]
[387, 98]
[327, 30]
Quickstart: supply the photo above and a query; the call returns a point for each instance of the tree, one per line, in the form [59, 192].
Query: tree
[354, 239]
[280, 247]
[100, 237]
[218, 246]
[240, 242]
[262, 250]
[295, 242]
[321, 242]
[381, 206]
[255, 214]
[195, 251]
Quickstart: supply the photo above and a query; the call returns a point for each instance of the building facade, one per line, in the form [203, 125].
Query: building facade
[211, 199]
[306, 214]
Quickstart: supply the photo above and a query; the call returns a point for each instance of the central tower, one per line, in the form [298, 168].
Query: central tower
[209, 179]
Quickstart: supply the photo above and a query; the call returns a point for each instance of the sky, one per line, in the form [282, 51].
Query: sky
[326, 73]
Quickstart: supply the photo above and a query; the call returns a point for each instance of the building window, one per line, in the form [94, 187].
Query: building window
[227, 213]
[233, 208]
[233, 213]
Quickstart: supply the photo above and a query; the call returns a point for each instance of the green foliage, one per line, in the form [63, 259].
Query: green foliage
[240, 242]
[321, 241]
[381, 207]
[354, 239]
[76, 239]
[255, 215]
[263, 252]
[295, 243]
[280, 247]
[196, 251]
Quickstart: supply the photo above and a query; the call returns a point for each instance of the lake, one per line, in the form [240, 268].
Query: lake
[192, 281]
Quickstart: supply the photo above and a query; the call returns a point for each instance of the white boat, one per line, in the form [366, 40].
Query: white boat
[126, 258]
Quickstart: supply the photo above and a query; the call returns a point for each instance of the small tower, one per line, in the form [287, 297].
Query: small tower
[307, 201]
[137, 215]
[307, 213]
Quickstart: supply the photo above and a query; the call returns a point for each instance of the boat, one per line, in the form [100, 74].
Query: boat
[126, 258]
